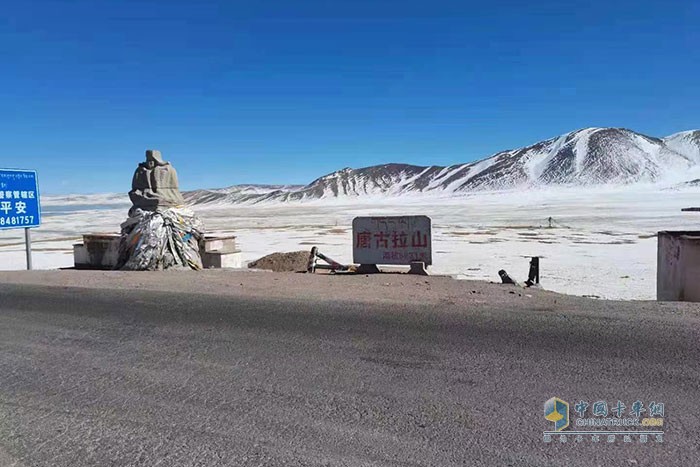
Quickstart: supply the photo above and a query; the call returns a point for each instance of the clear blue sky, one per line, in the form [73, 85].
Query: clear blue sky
[284, 91]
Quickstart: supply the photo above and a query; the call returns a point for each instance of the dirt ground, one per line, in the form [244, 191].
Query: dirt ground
[295, 261]
[399, 289]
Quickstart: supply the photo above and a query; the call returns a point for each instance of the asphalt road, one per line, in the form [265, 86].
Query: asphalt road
[119, 377]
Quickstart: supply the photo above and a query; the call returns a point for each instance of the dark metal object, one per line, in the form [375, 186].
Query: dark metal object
[533, 276]
[332, 265]
[505, 278]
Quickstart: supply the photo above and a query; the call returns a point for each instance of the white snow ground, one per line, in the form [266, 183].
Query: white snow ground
[602, 244]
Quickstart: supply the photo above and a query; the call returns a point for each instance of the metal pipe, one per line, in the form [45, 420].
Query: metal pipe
[28, 246]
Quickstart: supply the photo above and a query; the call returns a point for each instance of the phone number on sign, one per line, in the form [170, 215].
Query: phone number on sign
[17, 220]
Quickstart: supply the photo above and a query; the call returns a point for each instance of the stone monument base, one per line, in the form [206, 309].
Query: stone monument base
[101, 251]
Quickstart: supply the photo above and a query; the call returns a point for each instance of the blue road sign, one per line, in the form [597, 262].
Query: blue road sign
[19, 199]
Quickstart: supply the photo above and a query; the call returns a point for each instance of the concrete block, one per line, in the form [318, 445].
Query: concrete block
[222, 259]
[80, 256]
[418, 268]
[213, 243]
[367, 269]
[98, 251]
[678, 268]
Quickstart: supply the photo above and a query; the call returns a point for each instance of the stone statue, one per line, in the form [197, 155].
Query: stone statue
[155, 184]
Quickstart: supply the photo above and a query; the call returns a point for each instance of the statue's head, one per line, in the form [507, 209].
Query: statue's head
[153, 156]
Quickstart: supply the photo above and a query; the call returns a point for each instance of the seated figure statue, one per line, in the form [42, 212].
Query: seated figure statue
[155, 184]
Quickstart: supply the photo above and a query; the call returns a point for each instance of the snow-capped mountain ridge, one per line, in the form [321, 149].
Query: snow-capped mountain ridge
[586, 157]
[685, 142]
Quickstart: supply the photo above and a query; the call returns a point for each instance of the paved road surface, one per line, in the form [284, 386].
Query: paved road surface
[119, 377]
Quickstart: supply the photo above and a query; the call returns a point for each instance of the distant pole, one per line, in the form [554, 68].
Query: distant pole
[28, 245]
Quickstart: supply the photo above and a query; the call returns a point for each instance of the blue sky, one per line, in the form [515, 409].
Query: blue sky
[285, 91]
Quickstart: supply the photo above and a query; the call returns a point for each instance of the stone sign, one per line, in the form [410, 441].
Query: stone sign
[392, 240]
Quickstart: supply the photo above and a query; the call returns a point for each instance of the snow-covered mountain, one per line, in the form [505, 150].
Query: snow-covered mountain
[686, 143]
[236, 193]
[587, 157]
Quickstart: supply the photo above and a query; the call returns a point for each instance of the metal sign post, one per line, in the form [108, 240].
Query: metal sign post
[28, 246]
[19, 204]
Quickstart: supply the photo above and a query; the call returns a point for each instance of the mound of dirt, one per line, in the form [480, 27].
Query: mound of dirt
[294, 261]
